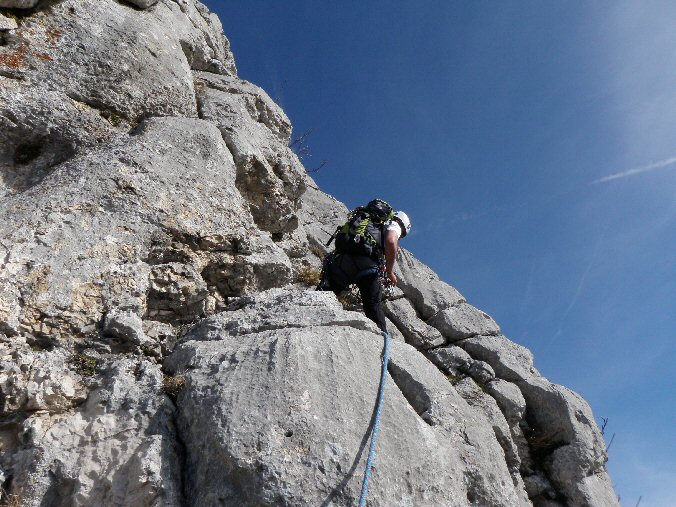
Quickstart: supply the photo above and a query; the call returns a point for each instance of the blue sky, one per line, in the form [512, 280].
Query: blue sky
[532, 143]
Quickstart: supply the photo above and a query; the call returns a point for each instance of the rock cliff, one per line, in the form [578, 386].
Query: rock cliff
[157, 343]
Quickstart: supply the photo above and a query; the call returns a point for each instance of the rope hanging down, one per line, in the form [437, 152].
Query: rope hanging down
[376, 424]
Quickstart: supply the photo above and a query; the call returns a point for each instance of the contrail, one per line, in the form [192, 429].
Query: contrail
[636, 170]
[580, 284]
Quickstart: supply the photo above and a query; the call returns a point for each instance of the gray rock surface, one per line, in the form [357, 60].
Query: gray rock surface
[119, 448]
[487, 407]
[451, 359]
[462, 321]
[510, 360]
[320, 214]
[394, 332]
[565, 426]
[7, 23]
[294, 408]
[509, 399]
[19, 4]
[279, 309]
[83, 258]
[481, 372]
[32, 381]
[143, 4]
[423, 287]
[415, 331]
[153, 218]
[257, 131]
[538, 486]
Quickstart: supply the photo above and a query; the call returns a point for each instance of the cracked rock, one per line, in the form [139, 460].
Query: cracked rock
[37, 381]
[509, 399]
[416, 332]
[451, 359]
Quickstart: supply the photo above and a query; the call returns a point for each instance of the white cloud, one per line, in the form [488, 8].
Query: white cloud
[637, 170]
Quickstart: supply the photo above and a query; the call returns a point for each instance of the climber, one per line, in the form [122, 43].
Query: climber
[368, 242]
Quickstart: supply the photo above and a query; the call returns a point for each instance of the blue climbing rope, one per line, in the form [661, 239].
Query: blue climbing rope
[376, 424]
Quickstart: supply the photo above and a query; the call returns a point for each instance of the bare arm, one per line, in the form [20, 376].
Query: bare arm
[391, 249]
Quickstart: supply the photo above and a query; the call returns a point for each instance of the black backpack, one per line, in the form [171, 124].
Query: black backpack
[362, 234]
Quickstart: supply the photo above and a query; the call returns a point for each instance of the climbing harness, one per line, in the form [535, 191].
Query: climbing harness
[376, 424]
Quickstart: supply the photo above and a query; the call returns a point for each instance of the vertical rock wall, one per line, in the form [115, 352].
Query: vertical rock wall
[156, 345]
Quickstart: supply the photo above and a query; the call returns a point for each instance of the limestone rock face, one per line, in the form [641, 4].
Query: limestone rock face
[37, 381]
[115, 232]
[422, 286]
[295, 403]
[156, 348]
[119, 448]
[257, 131]
[417, 333]
[7, 23]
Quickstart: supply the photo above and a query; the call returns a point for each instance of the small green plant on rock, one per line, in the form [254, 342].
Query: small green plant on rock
[113, 117]
[84, 365]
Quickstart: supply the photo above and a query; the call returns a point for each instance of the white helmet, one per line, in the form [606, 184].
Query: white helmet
[404, 221]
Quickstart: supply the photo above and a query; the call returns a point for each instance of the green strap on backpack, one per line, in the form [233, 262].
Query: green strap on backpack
[362, 233]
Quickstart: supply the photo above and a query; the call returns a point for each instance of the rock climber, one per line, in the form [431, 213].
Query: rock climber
[366, 243]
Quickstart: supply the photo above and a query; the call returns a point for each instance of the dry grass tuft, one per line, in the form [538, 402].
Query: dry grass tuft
[309, 276]
[318, 251]
[173, 385]
[8, 500]
[350, 299]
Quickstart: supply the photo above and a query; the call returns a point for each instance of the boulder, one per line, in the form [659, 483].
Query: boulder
[124, 325]
[451, 359]
[481, 372]
[569, 443]
[510, 361]
[509, 399]
[295, 404]
[462, 321]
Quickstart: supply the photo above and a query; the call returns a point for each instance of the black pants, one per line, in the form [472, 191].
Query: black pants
[348, 269]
